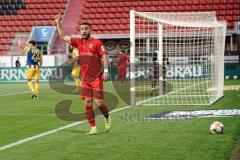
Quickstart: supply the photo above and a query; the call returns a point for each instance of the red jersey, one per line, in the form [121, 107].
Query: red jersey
[90, 56]
[123, 60]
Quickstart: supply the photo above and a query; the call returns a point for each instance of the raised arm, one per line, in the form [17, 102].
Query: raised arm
[20, 42]
[20, 45]
[60, 29]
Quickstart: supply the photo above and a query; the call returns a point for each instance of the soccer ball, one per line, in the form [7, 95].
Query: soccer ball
[216, 128]
[226, 77]
[235, 77]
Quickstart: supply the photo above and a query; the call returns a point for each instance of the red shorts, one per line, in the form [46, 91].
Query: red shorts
[93, 90]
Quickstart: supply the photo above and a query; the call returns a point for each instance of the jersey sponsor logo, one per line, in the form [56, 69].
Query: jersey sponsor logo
[90, 46]
[86, 53]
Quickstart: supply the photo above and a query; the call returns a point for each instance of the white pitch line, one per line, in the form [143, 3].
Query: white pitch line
[38, 136]
[16, 93]
[10, 94]
[51, 132]
[54, 130]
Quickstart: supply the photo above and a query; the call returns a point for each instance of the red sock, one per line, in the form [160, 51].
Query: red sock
[90, 116]
[103, 108]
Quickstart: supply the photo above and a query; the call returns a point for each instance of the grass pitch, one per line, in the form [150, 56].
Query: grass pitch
[131, 137]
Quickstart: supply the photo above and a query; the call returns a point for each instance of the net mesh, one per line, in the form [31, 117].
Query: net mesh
[178, 58]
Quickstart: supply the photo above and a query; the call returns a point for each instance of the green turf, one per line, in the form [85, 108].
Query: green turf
[232, 82]
[21, 117]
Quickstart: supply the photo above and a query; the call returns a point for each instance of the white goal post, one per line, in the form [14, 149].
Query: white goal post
[176, 58]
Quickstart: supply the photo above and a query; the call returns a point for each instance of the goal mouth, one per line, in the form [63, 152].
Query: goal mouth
[184, 50]
[179, 94]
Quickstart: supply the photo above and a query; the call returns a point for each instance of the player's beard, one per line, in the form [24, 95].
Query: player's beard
[86, 36]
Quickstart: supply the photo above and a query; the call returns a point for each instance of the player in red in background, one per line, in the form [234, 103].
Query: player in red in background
[91, 53]
[123, 61]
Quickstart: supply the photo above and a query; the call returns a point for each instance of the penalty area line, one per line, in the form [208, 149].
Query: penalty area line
[51, 132]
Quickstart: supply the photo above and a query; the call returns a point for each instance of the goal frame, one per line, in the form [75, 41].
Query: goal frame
[133, 14]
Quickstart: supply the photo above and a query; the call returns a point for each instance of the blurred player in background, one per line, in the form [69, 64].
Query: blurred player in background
[157, 69]
[155, 75]
[123, 61]
[34, 63]
[17, 62]
[76, 67]
[91, 53]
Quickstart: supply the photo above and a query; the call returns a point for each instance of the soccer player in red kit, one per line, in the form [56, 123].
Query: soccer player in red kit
[123, 60]
[91, 53]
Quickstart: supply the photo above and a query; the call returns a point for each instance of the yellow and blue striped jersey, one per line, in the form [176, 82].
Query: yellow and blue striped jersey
[34, 56]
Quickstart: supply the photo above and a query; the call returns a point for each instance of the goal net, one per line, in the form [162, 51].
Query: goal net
[176, 58]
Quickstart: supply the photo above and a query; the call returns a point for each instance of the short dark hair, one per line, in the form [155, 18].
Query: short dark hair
[32, 42]
[86, 23]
